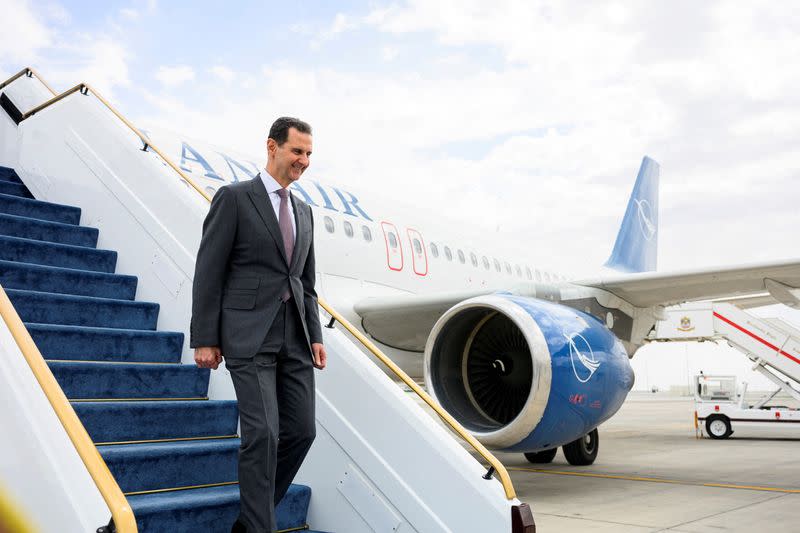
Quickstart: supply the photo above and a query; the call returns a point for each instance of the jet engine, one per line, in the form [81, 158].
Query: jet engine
[523, 374]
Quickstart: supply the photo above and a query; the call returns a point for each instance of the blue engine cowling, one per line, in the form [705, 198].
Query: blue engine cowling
[523, 374]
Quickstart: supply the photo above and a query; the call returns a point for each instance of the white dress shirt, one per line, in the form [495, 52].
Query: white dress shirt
[272, 187]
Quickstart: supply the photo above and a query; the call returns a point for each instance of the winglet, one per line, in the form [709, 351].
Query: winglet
[636, 248]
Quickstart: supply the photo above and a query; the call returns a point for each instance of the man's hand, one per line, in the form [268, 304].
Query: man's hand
[208, 357]
[320, 355]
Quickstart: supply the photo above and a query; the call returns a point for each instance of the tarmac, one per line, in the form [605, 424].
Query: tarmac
[653, 474]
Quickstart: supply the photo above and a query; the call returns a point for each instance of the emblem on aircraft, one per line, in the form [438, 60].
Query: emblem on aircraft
[579, 350]
[686, 324]
[645, 213]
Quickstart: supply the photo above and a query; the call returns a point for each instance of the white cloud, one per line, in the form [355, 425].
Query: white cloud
[106, 66]
[42, 37]
[55, 13]
[342, 23]
[96, 59]
[174, 76]
[389, 53]
[138, 9]
[23, 35]
[223, 73]
[129, 13]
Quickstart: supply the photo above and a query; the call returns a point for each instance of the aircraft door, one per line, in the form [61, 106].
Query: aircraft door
[394, 248]
[419, 256]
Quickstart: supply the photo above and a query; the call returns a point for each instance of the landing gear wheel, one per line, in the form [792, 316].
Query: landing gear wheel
[545, 456]
[718, 427]
[583, 451]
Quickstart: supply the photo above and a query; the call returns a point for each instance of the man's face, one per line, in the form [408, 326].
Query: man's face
[291, 159]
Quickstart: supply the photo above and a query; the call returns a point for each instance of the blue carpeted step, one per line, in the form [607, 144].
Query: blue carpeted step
[139, 467]
[14, 189]
[211, 509]
[27, 276]
[91, 381]
[155, 420]
[8, 174]
[106, 344]
[61, 255]
[66, 309]
[26, 207]
[44, 230]
[292, 511]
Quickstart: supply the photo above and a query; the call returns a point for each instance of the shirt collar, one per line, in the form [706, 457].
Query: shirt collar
[269, 182]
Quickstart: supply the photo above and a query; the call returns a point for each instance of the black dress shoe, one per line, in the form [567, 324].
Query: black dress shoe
[238, 527]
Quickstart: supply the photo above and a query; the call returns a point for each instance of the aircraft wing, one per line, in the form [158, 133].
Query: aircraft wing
[404, 321]
[749, 302]
[647, 289]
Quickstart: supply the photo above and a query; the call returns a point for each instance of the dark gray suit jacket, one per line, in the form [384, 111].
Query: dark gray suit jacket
[241, 271]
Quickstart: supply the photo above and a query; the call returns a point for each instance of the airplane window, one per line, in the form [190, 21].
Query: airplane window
[447, 253]
[519, 272]
[508, 267]
[547, 276]
[348, 229]
[497, 265]
[485, 263]
[329, 225]
[392, 240]
[473, 258]
[528, 272]
[538, 275]
[434, 250]
[366, 233]
[461, 258]
[417, 247]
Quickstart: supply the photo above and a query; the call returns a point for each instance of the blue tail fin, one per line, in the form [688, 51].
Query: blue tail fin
[636, 248]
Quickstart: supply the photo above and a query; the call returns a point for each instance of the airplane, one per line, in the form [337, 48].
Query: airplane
[524, 358]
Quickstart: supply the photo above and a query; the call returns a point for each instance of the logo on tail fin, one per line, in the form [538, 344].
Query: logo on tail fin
[645, 218]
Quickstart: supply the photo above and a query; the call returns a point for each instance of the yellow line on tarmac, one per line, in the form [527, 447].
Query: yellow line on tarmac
[749, 487]
[654, 480]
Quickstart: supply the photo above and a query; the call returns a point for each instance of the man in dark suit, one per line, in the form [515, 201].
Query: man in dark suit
[254, 305]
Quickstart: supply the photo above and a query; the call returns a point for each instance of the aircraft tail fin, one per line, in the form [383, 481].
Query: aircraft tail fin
[636, 248]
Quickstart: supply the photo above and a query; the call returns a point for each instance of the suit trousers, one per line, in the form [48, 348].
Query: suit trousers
[275, 392]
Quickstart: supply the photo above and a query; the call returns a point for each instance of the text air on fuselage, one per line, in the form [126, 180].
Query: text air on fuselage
[314, 193]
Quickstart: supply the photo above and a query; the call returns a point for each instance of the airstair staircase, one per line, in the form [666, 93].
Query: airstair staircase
[771, 343]
[172, 450]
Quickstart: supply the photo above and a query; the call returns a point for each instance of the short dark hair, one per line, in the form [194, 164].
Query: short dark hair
[280, 128]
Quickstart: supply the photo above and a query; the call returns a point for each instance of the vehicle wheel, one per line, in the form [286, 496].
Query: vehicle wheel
[545, 456]
[718, 427]
[583, 451]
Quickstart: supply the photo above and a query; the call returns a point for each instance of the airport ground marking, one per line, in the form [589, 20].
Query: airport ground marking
[654, 480]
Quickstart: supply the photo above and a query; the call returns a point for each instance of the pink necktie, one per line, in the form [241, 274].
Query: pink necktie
[285, 223]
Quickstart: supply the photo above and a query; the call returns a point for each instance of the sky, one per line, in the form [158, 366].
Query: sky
[527, 119]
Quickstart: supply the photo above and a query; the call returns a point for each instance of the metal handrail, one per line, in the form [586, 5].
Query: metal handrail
[495, 465]
[121, 511]
[57, 98]
[27, 71]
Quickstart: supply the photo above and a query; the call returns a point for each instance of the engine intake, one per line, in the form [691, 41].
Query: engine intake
[523, 374]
